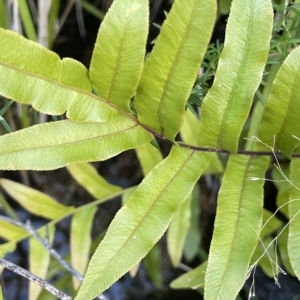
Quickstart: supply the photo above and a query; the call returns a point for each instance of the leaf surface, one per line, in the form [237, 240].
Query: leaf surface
[283, 187]
[239, 215]
[119, 52]
[227, 104]
[56, 144]
[152, 262]
[88, 177]
[224, 6]
[35, 201]
[270, 223]
[189, 136]
[266, 259]
[178, 230]
[294, 214]
[191, 245]
[284, 103]
[31, 74]
[148, 157]
[187, 130]
[192, 279]
[143, 220]
[6, 248]
[283, 250]
[10, 231]
[171, 69]
[39, 260]
[81, 227]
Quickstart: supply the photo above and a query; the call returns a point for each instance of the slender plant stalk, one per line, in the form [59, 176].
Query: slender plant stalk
[26, 274]
[31, 230]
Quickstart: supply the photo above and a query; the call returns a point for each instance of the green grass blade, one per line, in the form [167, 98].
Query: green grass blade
[27, 20]
[93, 10]
[53, 18]
[3, 16]
[7, 208]
[5, 108]
[5, 124]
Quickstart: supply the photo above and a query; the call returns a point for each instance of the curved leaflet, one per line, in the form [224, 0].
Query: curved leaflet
[34, 201]
[143, 219]
[237, 226]
[53, 145]
[284, 103]
[118, 56]
[294, 215]
[87, 176]
[31, 74]
[227, 104]
[171, 69]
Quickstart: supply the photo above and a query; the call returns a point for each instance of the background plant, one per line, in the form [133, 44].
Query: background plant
[104, 121]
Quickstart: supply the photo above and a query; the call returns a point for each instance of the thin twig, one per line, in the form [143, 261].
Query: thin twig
[28, 275]
[215, 150]
[29, 228]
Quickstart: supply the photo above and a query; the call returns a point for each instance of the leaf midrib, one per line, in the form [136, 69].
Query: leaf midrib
[173, 68]
[59, 84]
[72, 143]
[143, 218]
[287, 114]
[233, 89]
[117, 65]
[238, 220]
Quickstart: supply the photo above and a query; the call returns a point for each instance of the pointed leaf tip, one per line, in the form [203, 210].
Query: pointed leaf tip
[171, 69]
[227, 104]
[143, 220]
[239, 215]
[70, 142]
[119, 52]
[32, 74]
